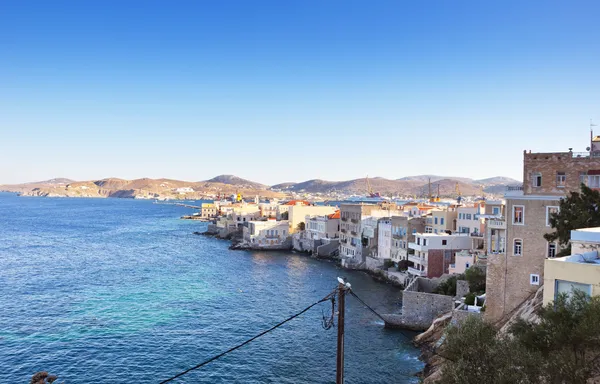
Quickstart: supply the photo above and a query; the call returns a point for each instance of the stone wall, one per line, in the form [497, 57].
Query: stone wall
[419, 309]
[548, 164]
[508, 276]
[462, 288]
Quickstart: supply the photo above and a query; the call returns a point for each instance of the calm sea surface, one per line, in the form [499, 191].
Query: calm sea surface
[121, 291]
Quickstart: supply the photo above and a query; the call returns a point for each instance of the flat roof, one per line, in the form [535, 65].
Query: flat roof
[591, 235]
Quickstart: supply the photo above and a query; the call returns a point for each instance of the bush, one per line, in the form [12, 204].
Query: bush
[476, 277]
[448, 287]
[470, 298]
[563, 347]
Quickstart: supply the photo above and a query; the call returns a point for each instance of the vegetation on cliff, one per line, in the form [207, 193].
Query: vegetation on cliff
[563, 347]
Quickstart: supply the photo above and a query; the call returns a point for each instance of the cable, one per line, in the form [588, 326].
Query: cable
[408, 338]
[328, 297]
[366, 305]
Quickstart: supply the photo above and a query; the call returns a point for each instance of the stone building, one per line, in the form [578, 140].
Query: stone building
[515, 273]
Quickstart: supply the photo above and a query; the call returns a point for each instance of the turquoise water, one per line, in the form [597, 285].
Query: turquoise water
[121, 291]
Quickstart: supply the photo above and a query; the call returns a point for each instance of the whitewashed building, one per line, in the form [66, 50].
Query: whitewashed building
[270, 233]
[384, 239]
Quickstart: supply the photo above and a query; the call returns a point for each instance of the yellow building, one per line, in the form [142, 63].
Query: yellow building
[580, 270]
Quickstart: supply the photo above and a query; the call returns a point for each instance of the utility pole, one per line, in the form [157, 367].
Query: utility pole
[339, 376]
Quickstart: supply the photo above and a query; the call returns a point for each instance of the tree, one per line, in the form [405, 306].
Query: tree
[476, 278]
[475, 354]
[301, 226]
[562, 347]
[578, 210]
[566, 336]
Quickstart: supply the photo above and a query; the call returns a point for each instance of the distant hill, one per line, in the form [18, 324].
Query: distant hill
[229, 184]
[407, 186]
[238, 181]
[498, 180]
[143, 188]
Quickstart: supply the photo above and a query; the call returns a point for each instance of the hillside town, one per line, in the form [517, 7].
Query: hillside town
[418, 244]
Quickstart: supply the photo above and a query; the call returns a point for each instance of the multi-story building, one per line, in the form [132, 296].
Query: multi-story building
[515, 275]
[580, 270]
[269, 233]
[351, 216]
[403, 232]
[384, 239]
[208, 210]
[323, 227]
[297, 213]
[269, 210]
[243, 212]
[444, 220]
[470, 222]
[433, 253]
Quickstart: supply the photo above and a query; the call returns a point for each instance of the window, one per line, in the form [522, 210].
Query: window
[561, 179]
[551, 250]
[435, 221]
[593, 181]
[467, 265]
[518, 247]
[563, 286]
[418, 241]
[537, 179]
[441, 221]
[468, 216]
[424, 242]
[518, 214]
[583, 177]
[550, 210]
[414, 231]
[444, 242]
[496, 210]
[534, 279]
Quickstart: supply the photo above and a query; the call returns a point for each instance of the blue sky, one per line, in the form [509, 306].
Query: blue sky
[278, 91]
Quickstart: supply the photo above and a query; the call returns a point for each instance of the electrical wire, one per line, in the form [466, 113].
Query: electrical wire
[366, 305]
[326, 298]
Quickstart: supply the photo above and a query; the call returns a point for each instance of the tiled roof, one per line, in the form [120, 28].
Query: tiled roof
[335, 215]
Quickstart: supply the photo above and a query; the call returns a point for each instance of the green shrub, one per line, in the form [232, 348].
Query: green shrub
[470, 298]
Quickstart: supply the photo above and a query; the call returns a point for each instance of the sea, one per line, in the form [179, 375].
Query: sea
[122, 291]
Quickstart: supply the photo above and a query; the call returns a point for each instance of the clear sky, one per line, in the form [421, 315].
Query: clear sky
[277, 91]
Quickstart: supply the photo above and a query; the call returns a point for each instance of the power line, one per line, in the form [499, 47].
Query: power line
[326, 298]
[366, 305]
[408, 338]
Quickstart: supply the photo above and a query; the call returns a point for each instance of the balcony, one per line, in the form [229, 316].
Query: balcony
[355, 221]
[496, 224]
[343, 230]
[399, 237]
[416, 272]
[417, 260]
[344, 219]
[353, 233]
[477, 235]
[514, 190]
[345, 241]
[416, 247]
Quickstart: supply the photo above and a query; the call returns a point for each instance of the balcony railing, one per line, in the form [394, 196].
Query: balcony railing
[476, 234]
[418, 260]
[354, 233]
[355, 221]
[496, 224]
[344, 219]
[514, 188]
[585, 154]
[343, 230]
[416, 272]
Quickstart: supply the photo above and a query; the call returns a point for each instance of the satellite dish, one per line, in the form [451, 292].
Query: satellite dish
[588, 149]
